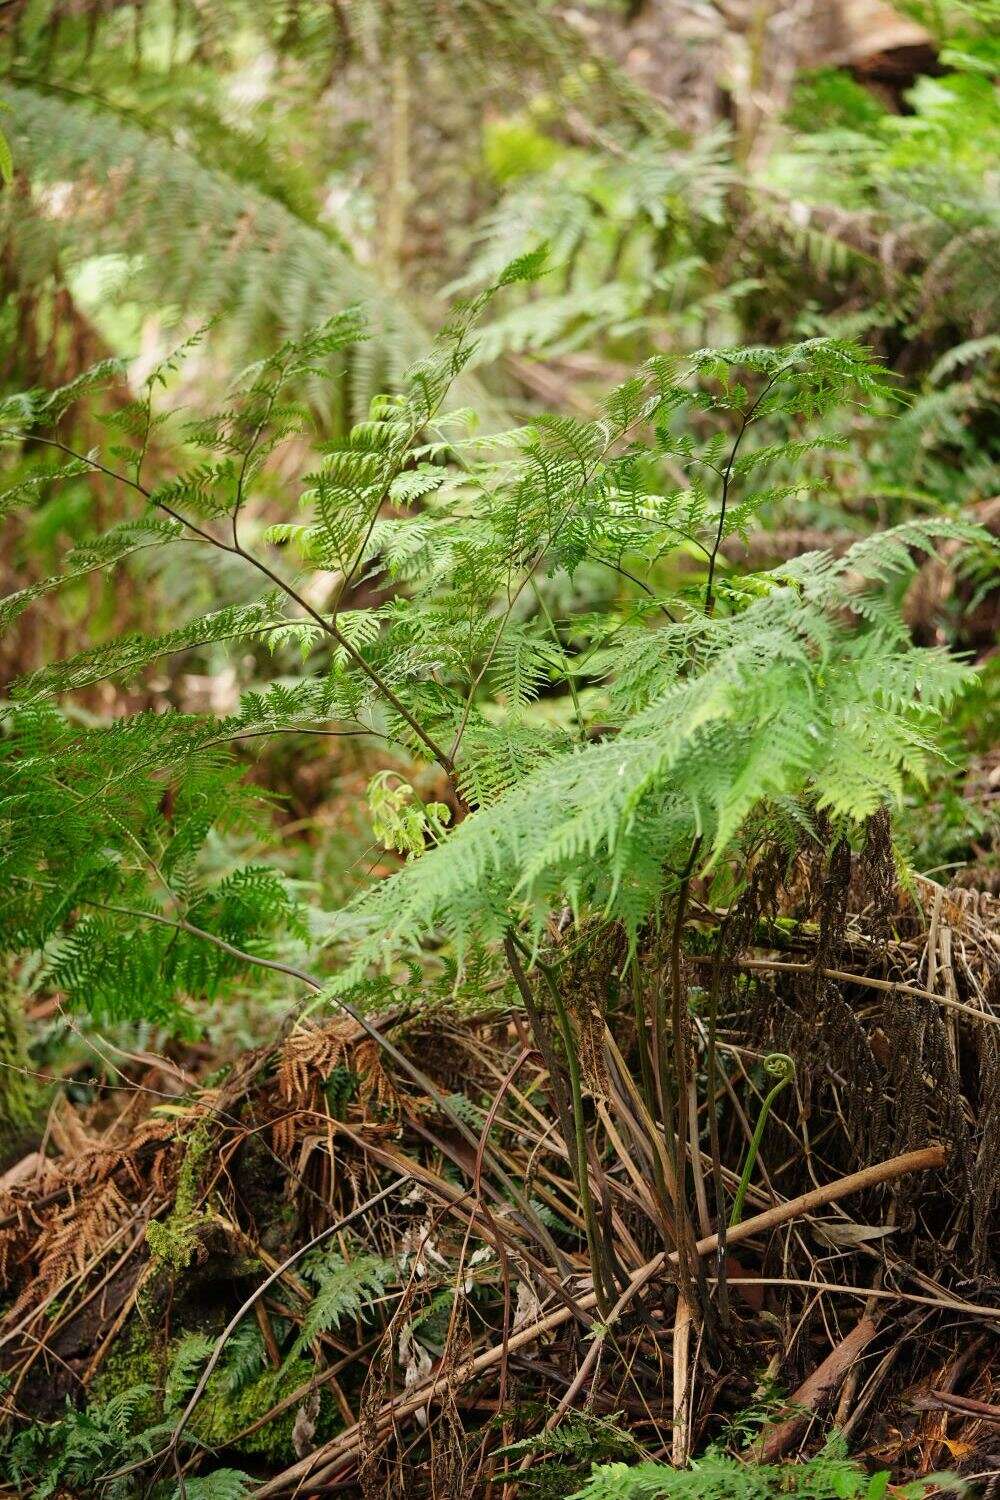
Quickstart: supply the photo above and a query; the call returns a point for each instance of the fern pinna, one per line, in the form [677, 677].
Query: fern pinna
[720, 1477]
[592, 763]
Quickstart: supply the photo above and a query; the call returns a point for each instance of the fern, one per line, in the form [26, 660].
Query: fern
[71, 1455]
[919, 176]
[717, 1477]
[344, 1289]
[580, 1441]
[724, 699]
[190, 1356]
[243, 253]
[220, 1484]
[782, 704]
[608, 220]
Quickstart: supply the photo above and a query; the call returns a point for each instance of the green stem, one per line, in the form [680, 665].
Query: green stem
[780, 1064]
[688, 1262]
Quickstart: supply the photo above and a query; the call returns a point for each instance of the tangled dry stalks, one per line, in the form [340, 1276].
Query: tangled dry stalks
[864, 1282]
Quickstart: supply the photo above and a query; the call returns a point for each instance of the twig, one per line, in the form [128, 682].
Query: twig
[948, 1304]
[343, 1448]
[887, 986]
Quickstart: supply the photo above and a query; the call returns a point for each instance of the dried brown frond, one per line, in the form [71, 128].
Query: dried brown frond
[877, 871]
[74, 1237]
[310, 1054]
[69, 1134]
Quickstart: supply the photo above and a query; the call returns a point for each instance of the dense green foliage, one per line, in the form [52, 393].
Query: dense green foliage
[693, 715]
[829, 1476]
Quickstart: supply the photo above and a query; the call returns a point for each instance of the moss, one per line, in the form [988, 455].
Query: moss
[132, 1362]
[222, 1413]
[173, 1241]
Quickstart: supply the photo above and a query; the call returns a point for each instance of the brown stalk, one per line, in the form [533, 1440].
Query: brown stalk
[816, 1390]
[689, 1264]
[328, 1461]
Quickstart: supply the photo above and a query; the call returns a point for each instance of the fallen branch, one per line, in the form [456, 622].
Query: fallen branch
[341, 1449]
[816, 1390]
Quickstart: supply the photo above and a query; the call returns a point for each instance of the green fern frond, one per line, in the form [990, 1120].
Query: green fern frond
[125, 657]
[344, 1289]
[199, 240]
[786, 703]
[244, 1358]
[221, 1484]
[718, 1477]
[102, 553]
[189, 1358]
[796, 687]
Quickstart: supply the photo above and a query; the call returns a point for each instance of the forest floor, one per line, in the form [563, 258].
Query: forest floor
[172, 1237]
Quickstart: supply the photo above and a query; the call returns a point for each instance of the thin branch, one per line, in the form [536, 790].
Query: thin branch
[237, 550]
[331, 734]
[134, 484]
[328, 1461]
[747, 418]
[633, 578]
[951, 1304]
[181, 924]
[437, 753]
[887, 986]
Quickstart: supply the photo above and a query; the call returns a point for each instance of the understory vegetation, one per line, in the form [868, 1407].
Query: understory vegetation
[499, 960]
